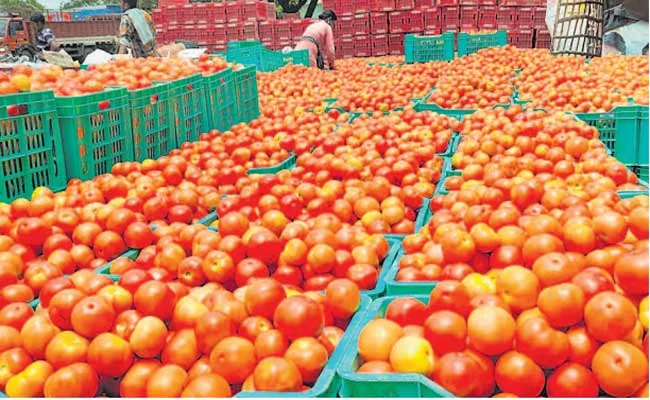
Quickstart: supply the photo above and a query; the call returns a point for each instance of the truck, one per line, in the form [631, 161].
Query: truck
[77, 38]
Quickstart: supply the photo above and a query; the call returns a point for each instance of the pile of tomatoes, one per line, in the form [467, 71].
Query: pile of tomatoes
[126, 72]
[536, 256]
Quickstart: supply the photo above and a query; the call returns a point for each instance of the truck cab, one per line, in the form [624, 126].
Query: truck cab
[16, 37]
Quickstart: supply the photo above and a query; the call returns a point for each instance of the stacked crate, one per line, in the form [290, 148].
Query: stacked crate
[212, 25]
[524, 19]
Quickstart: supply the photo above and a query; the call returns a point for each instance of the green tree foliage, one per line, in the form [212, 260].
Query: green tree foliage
[20, 6]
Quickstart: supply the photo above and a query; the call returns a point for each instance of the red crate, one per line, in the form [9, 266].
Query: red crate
[173, 14]
[219, 33]
[361, 24]
[268, 43]
[378, 22]
[539, 17]
[219, 12]
[523, 3]
[283, 29]
[423, 4]
[521, 38]
[343, 26]
[449, 18]
[174, 31]
[487, 16]
[266, 30]
[158, 16]
[233, 11]
[404, 4]
[542, 39]
[415, 21]
[396, 44]
[382, 5]
[469, 17]
[296, 28]
[524, 17]
[234, 31]
[379, 45]
[362, 46]
[345, 48]
[477, 2]
[397, 21]
[166, 3]
[361, 6]
[329, 4]
[432, 31]
[250, 30]
[187, 14]
[345, 7]
[506, 18]
[432, 18]
[256, 10]
[446, 3]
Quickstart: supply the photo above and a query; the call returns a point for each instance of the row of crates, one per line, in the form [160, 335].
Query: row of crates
[370, 45]
[352, 7]
[441, 19]
[530, 38]
[112, 126]
[196, 13]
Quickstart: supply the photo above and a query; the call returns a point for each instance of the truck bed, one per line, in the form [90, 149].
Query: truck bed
[85, 29]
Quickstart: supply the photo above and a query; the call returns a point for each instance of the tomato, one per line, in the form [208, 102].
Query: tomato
[604, 308]
[298, 316]
[450, 295]
[544, 345]
[270, 343]
[517, 374]
[562, 304]
[234, 359]
[166, 381]
[138, 235]
[377, 339]
[342, 298]
[375, 367]
[275, 374]
[309, 355]
[457, 373]
[66, 348]
[148, 337]
[490, 330]
[181, 349]
[12, 362]
[406, 311]
[15, 314]
[631, 272]
[620, 368]
[572, 380]
[91, 316]
[134, 382]
[154, 298]
[110, 355]
[208, 385]
[75, 380]
[31, 381]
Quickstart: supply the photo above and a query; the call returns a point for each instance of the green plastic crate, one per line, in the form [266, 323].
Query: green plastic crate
[328, 382]
[641, 171]
[263, 59]
[420, 49]
[236, 44]
[220, 100]
[471, 43]
[247, 105]
[457, 113]
[296, 57]
[96, 132]
[392, 385]
[288, 163]
[378, 291]
[397, 288]
[31, 152]
[151, 123]
[643, 134]
[187, 108]
[106, 268]
[622, 122]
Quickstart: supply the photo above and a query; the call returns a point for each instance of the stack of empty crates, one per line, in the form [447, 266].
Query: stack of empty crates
[377, 27]
[525, 21]
[212, 25]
